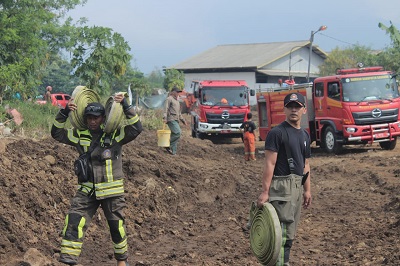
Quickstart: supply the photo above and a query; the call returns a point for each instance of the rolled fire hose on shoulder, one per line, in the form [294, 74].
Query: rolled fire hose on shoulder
[265, 233]
[114, 114]
[81, 97]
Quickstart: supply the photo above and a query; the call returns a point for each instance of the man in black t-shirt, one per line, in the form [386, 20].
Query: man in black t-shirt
[281, 184]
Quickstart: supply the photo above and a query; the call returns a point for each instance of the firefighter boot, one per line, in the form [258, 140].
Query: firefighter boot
[67, 260]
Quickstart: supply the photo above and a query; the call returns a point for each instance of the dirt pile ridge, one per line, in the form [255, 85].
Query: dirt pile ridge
[191, 209]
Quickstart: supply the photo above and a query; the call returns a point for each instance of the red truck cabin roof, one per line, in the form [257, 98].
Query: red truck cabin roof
[359, 70]
[223, 83]
[355, 72]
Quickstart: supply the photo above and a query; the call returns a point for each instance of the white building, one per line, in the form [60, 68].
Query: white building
[261, 65]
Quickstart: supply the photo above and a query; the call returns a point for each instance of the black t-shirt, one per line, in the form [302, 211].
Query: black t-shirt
[248, 126]
[299, 143]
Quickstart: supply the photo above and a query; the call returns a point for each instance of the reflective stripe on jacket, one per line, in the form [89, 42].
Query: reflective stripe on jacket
[106, 156]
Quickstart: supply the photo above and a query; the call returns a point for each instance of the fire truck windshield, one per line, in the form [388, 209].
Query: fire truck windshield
[223, 96]
[369, 88]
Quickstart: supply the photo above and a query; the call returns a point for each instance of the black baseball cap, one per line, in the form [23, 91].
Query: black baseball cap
[96, 109]
[176, 89]
[295, 97]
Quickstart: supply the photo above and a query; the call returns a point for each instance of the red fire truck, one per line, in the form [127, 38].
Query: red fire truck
[218, 107]
[355, 106]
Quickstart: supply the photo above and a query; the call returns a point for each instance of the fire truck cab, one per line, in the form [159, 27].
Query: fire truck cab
[355, 106]
[220, 107]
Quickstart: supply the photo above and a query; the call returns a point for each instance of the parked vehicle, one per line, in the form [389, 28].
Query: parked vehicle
[355, 106]
[217, 107]
[57, 99]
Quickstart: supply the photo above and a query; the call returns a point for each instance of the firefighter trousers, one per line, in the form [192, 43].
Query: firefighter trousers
[286, 197]
[249, 146]
[83, 208]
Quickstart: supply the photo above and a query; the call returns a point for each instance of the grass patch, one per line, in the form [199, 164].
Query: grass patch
[38, 119]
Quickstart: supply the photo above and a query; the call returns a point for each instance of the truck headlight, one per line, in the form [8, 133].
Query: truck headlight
[350, 130]
[203, 126]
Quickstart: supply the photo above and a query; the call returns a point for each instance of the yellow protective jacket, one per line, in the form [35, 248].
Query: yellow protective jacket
[106, 157]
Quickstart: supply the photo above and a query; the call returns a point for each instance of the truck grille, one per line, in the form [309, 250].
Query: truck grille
[366, 118]
[217, 119]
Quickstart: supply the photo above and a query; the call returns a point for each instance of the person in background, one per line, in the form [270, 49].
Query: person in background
[208, 99]
[171, 116]
[47, 95]
[224, 101]
[105, 183]
[248, 128]
[281, 179]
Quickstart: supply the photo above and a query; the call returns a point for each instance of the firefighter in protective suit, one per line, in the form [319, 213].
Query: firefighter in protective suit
[248, 128]
[105, 187]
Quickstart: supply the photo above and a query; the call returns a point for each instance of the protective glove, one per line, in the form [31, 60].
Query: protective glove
[65, 111]
[125, 105]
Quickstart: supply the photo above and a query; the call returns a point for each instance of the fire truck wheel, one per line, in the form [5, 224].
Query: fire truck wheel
[330, 141]
[388, 145]
[200, 135]
[197, 135]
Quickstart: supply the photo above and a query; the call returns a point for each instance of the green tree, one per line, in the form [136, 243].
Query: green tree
[121, 83]
[58, 74]
[27, 40]
[33, 33]
[155, 78]
[348, 58]
[140, 88]
[393, 32]
[174, 78]
[390, 58]
[98, 56]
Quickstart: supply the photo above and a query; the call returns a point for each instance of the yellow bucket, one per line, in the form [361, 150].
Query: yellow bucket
[163, 136]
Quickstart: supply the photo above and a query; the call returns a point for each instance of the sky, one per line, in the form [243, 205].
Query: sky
[167, 32]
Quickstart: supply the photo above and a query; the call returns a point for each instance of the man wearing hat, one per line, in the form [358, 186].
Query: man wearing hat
[171, 116]
[104, 183]
[286, 178]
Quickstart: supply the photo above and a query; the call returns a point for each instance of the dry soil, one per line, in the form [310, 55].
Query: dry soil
[191, 209]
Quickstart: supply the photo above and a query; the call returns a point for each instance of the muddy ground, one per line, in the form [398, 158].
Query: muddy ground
[191, 209]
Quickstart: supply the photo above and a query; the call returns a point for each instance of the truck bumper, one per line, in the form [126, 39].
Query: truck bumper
[207, 128]
[372, 133]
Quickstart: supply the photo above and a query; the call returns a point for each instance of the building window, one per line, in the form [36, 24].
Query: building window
[261, 78]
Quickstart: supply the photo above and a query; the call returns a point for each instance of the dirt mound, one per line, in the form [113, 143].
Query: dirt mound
[191, 209]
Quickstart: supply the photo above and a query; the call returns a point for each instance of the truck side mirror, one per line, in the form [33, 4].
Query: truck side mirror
[252, 92]
[196, 94]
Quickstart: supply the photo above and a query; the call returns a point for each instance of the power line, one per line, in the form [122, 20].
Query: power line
[338, 39]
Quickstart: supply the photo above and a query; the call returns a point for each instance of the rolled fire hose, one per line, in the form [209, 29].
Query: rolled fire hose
[265, 233]
[81, 97]
[114, 114]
